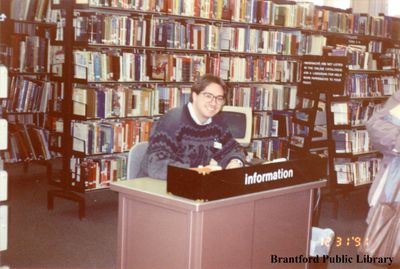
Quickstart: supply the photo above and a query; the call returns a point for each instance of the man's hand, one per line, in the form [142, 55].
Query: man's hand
[204, 170]
[234, 163]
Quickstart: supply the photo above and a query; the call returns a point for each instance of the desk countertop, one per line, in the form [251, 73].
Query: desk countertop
[149, 188]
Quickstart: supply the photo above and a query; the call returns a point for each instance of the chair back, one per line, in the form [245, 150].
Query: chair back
[135, 157]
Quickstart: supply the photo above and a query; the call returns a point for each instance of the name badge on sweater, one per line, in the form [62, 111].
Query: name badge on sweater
[217, 145]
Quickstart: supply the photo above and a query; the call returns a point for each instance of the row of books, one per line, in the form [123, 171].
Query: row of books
[24, 56]
[362, 58]
[178, 67]
[263, 69]
[157, 5]
[109, 136]
[265, 97]
[57, 17]
[267, 125]
[108, 102]
[30, 10]
[97, 173]
[308, 16]
[312, 44]
[175, 34]
[56, 61]
[345, 22]
[357, 173]
[355, 113]
[359, 58]
[169, 33]
[29, 53]
[54, 123]
[26, 28]
[269, 149]
[305, 102]
[199, 8]
[364, 85]
[27, 143]
[234, 69]
[277, 124]
[127, 101]
[30, 119]
[252, 11]
[304, 15]
[97, 66]
[375, 46]
[41, 120]
[55, 126]
[300, 131]
[275, 13]
[29, 95]
[351, 141]
[301, 128]
[114, 66]
[298, 141]
[170, 97]
[112, 30]
[390, 59]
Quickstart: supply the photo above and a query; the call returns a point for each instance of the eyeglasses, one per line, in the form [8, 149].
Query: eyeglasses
[210, 97]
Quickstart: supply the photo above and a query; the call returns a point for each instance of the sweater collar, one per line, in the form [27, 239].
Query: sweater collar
[194, 117]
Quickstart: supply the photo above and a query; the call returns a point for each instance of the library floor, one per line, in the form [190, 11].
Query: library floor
[39, 238]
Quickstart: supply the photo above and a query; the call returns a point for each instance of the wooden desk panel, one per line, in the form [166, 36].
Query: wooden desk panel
[161, 231]
[282, 227]
[227, 232]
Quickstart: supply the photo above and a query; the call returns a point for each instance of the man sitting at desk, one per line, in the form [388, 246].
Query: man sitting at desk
[194, 136]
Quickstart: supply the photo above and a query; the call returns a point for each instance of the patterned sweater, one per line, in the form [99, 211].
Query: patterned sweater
[178, 140]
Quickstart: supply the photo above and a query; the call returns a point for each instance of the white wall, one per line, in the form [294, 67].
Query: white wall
[372, 7]
[360, 6]
[338, 3]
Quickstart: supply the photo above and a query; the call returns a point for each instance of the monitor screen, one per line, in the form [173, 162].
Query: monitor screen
[236, 123]
[239, 121]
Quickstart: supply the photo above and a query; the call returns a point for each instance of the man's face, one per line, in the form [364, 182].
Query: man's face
[209, 102]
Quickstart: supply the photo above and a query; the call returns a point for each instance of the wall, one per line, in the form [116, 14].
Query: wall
[372, 7]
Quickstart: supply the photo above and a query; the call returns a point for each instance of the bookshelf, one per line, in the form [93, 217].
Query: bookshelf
[370, 81]
[124, 63]
[32, 96]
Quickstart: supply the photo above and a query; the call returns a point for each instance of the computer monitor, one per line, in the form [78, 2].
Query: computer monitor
[239, 120]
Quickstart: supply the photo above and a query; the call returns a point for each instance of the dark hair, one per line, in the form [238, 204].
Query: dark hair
[201, 83]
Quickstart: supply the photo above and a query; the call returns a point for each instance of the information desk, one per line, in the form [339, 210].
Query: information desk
[255, 178]
[157, 230]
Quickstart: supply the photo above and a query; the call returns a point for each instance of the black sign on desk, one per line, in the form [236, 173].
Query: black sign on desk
[232, 182]
[324, 73]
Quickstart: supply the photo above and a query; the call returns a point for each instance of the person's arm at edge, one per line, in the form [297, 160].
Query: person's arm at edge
[384, 135]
